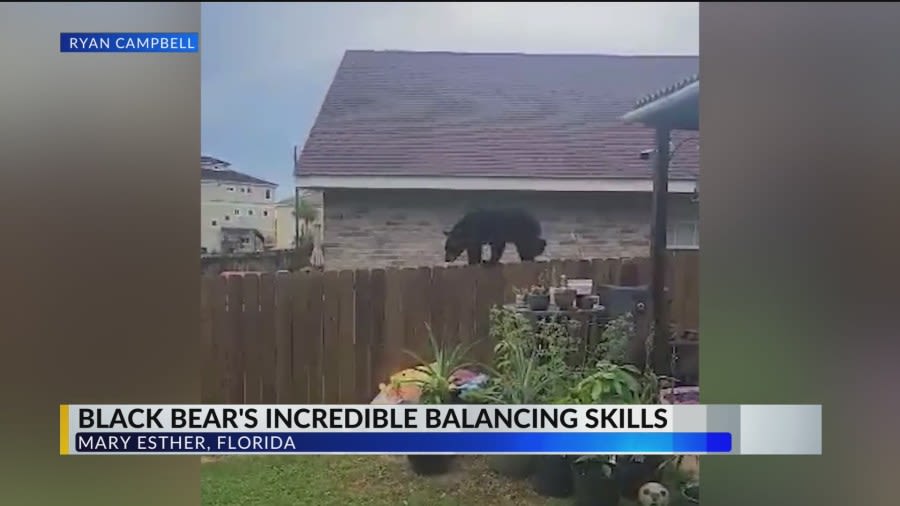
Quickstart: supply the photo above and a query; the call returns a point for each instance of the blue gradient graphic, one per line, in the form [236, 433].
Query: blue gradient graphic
[129, 42]
[410, 442]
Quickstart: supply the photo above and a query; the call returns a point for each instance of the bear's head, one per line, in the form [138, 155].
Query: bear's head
[453, 246]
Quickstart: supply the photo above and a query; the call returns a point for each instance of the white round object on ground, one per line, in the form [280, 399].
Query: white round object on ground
[653, 494]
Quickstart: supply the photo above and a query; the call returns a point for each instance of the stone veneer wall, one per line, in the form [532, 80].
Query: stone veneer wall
[403, 228]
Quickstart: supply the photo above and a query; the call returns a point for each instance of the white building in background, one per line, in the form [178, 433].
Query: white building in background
[237, 211]
[284, 219]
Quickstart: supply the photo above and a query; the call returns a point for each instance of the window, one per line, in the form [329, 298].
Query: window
[237, 212]
[265, 213]
[683, 235]
[250, 212]
[227, 218]
[268, 194]
[248, 190]
[242, 190]
[230, 188]
[214, 223]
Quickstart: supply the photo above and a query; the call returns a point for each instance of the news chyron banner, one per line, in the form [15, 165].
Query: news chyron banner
[440, 429]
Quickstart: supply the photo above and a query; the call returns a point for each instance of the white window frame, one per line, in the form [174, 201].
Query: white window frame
[676, 230]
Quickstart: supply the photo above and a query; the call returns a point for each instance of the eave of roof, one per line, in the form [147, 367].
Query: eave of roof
[676, 107]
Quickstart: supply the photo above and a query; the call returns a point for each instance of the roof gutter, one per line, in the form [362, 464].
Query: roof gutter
[652, 112]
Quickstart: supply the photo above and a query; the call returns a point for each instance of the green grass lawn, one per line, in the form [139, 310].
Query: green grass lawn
[357, 481]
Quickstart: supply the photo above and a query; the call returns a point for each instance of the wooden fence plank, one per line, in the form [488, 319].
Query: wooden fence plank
[392, 352]
[313, 346]
[250, 344]
[212, 329]
[437, 303]
[364, 391]
[489, 290]
[345, 364]
[464, 299]
[447, 286]
[689, 290]
[267, 319]
[416, 312]
[629, 275]
[231, 342]
[284, 308]
[331, 361]
[302, 334]
[377, 347]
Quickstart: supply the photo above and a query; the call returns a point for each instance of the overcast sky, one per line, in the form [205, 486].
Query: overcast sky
[266, 67]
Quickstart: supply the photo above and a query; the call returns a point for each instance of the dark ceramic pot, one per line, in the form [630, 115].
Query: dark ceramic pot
[587, 301]
[632, 472]
[593, 486]
[552, 476]
[537, 302]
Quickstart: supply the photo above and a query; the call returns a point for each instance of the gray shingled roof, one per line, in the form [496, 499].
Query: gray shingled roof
[213, 169]
[464, 114]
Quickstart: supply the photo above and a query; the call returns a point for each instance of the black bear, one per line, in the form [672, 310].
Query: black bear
[495, 227]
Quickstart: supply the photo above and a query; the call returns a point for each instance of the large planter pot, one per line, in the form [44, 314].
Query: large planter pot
[430, 465]
[593, 487]
[631, 473]
[586, 301]
[552, 476]
[564, 298]
[537, 302]
[512, 466]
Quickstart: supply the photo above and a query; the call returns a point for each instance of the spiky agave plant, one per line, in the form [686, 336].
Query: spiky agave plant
[437, 386]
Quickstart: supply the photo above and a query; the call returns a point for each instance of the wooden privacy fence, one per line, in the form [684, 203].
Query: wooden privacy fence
[332, 337]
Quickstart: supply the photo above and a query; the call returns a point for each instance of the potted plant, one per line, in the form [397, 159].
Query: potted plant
[437, 386]
[612, 383]
[553, 476]
[564, 297]
[520, 294]
[516, 377]
[637, 470]
[538, 298]
[594, 481]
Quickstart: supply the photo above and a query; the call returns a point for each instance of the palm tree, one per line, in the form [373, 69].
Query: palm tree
[307, 213]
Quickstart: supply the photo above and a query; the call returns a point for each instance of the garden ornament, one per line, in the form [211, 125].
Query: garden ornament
[653, 494]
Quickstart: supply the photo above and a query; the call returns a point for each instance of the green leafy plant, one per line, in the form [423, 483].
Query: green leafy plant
[517, 375]
[438, 386]
[614, 341]
[609, 383]
[538, 289]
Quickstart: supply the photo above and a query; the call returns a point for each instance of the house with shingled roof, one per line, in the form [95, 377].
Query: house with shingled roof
[406, 142]
[237, 210]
